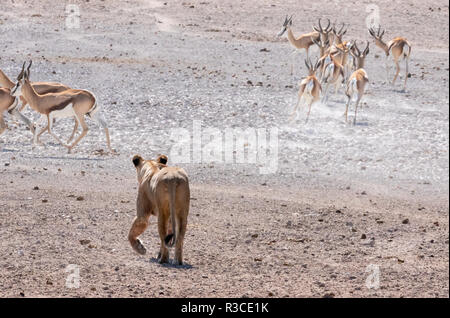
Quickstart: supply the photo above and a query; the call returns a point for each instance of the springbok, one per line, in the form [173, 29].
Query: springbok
[324, 59]
[333, 71]
[357, 81]
[309, 89]
[398, 47]
[302, 42]
[9, 103]
[75, 103]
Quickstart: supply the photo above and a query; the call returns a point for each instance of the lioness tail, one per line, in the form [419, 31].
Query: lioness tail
[171, 238]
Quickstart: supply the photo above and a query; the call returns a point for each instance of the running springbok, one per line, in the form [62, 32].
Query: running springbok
[302, 42]
[9, 103]
[309, 90]
[324, 58]
[331, 75]
[75, 103]
[357, 81]
[399, 48]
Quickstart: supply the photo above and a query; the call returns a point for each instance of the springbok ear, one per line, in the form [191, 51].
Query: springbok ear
[137, 160]
[162, 159]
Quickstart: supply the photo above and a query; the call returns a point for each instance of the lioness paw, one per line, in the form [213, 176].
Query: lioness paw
[140, 248]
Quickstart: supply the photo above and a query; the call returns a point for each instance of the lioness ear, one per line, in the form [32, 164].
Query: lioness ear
[137, 160]
[162, 159]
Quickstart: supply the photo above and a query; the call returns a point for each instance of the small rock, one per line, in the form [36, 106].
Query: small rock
[36, 188]
[85, 242]
[405, 221]
[80, 198]
[363, 236]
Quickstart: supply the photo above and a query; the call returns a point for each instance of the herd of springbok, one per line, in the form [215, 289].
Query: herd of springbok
[340, 62]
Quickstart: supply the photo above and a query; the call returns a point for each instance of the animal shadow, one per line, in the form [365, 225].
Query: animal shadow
[171, 265]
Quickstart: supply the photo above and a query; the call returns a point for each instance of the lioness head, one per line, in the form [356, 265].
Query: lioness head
[147, 166]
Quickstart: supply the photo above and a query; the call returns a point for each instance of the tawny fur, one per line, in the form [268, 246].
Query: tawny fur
[163, 192]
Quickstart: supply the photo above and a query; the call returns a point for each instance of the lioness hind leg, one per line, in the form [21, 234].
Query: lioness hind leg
[138, 227]
[163, 256]
[182, 223]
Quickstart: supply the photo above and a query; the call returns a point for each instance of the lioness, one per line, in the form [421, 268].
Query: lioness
[163, 192]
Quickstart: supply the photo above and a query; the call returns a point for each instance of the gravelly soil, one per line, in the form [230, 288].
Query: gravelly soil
[341, 197]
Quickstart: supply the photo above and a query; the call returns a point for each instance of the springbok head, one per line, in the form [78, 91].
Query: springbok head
[339, 34]
[312, 68]
[359, 56]
[324, 32]
[24, 74]
[377, 34]
[286, 24]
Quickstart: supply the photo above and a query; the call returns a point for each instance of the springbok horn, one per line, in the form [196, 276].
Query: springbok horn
[28, 69]
[329, 22]
[366, 50]
[357, 49]
[19, 77]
